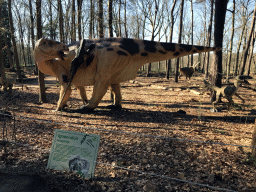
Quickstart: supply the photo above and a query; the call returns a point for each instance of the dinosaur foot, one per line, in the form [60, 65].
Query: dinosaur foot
[83, 110]
[61, 108]
[114, 107]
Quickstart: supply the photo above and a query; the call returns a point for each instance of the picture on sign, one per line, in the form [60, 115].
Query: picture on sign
[74, 151]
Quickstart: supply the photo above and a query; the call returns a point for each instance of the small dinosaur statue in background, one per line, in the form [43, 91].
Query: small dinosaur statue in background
[228, 91]
[188, 71]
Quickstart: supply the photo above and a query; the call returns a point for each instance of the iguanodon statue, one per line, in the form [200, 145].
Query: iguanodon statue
[107, 62]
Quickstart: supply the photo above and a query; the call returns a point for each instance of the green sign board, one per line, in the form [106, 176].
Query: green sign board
[74, 151]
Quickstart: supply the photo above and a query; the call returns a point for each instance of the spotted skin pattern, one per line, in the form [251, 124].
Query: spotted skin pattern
[115, 60]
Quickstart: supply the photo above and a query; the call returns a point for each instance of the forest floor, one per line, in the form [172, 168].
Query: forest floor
[165, 133]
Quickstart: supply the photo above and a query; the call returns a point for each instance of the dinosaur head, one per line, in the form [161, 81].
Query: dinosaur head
[50, 49]
[243, 79]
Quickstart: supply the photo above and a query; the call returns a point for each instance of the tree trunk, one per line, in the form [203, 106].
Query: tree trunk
[91, 19]
[16, 57]
[216, 69]
[179, 40]
[61, 28]
[169, 62]
[42, 95]
[2, 72]
[241, 72]
[192, 30]
[31, 24]
[125, 20]
[250, 55]
[231, 41]
[101, 30]
[21, 34]
[240, 43]
[73, 22]
[209, 37]
[119, 19]
[152, 36]
[110, 18]
[79, 18]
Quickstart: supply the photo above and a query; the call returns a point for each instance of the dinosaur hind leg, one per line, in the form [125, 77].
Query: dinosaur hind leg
[117, 97]
[82, 94]
[99, 90]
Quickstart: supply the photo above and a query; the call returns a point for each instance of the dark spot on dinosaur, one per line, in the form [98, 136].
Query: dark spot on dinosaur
[200, 48]
[106, 44]
[194, 51]
[181, 49]
[176, 53]
[89, 60]
[129, 45]
[168, 46]
[186, 47]
[150, 46]
[122, 53]
[107, 40]
[110, 49]
[89, 41]
[144, 54]
[65, 78]
[160, 51]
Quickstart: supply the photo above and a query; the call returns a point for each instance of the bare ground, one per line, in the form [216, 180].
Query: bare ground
[150, 135]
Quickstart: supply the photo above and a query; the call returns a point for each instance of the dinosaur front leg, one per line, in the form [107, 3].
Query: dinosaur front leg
[82, 94]
[62, 104]
[99, 90]
[117, 97]
[216, 101]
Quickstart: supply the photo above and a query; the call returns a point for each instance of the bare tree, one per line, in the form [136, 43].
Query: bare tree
[153, 32]
[2, 72]
[61, 28]
[231, 41]
[216, 67]
[168, 65]
[31, 24]
[241, 72]
[248, 65]
[209, 37]
[42, 95]
[110, 17]
[73, 22]
[16, 57]
[240, 40]
[100, 20]
[79, 18]
[179, 40]
[91, 22]
[21, 34]
[192, 29]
